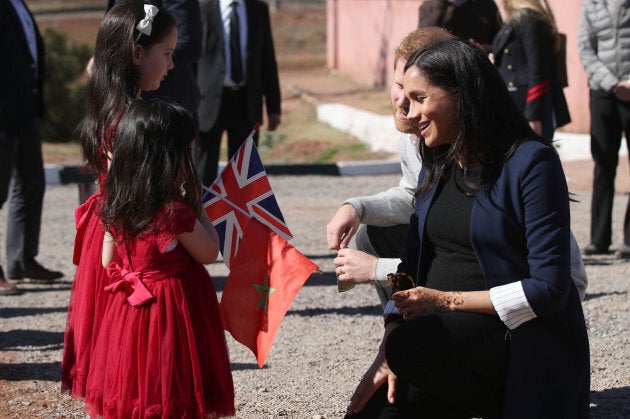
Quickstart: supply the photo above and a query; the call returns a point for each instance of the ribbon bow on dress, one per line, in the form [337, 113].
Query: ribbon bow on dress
[130, 282]
[145, 26]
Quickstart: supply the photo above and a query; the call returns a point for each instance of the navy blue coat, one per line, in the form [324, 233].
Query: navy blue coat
[519, 230]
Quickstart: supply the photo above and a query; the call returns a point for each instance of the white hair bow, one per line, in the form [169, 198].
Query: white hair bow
[146, 25]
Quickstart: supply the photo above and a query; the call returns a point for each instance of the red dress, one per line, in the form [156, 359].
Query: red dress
[87, 298]
[161, 350]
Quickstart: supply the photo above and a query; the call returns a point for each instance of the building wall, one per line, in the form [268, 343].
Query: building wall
[362, 35]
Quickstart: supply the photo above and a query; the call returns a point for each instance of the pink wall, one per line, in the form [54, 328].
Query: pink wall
[362, 35]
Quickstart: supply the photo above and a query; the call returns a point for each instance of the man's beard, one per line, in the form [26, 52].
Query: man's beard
[407, 126]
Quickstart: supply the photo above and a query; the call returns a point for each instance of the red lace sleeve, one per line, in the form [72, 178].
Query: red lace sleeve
[175, 218]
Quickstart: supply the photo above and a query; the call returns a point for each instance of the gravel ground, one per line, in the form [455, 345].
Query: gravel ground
[327, 339]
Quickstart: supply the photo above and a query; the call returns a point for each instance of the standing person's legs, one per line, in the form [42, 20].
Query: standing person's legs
[548, 121]
[207, 153]
[382, 242]
[8, 151]
[238, 125]
[605, 141]
[624, 250]
[208, 149]
[28, 184]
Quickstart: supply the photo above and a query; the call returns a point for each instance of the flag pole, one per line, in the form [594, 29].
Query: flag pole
[256, 128]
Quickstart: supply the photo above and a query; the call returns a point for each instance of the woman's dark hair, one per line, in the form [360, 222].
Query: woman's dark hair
[151, 166]
[491, 127]
[114, 82]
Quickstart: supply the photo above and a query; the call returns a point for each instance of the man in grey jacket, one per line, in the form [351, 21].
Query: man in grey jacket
[381, 241]
[604, 43]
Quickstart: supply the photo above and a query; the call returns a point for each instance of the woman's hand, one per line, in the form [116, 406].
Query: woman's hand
[421, 301]
[377, 375]
[536, 126]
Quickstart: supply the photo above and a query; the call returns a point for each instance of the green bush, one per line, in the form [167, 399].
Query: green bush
[64, 86]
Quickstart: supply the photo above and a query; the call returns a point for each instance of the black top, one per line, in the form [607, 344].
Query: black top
[453, 265]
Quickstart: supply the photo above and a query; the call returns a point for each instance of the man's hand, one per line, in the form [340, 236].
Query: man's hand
[342, 227]
[273, 120]
[622, 91]
[355, 266]
[377, 375]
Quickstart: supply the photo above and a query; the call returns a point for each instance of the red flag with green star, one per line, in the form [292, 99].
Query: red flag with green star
[264, 278]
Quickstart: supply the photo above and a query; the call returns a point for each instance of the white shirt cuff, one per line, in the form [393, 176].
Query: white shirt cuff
[383, 267]
[511, 304]
[390, 308]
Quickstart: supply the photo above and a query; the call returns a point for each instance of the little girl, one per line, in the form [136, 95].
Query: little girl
[161, 349]
[133, 52]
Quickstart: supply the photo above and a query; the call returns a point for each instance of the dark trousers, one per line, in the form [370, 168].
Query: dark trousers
[22, 174]
[382, 242]
[449, 365]
[609, 119]
[231, 119]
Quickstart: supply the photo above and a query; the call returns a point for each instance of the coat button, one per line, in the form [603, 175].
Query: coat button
[511, 84]
[509, 67]
[506, 51]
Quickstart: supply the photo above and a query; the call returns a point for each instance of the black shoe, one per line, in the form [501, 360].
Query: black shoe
[591, 250]
[623, 252]
[37, 274]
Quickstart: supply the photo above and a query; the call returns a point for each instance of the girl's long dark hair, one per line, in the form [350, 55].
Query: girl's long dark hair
[490, 125]
[152, 165]
[114, 82]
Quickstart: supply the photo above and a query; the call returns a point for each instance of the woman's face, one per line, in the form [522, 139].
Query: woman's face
[155, 61]
[432, 109]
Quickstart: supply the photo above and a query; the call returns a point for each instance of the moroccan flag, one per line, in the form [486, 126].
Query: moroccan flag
[265, 277]
[240, 193]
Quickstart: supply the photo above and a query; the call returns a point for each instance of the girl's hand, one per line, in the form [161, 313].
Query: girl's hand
[420, 301]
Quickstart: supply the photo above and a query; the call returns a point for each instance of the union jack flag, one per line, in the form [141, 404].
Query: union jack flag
[240, 193]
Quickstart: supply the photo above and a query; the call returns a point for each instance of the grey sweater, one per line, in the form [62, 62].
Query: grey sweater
[395, 205]
[604, 42]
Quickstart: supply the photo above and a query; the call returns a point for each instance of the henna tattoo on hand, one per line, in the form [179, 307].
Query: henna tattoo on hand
[439, 301]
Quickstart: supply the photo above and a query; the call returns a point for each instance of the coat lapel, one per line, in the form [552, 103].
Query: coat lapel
[502, 38]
